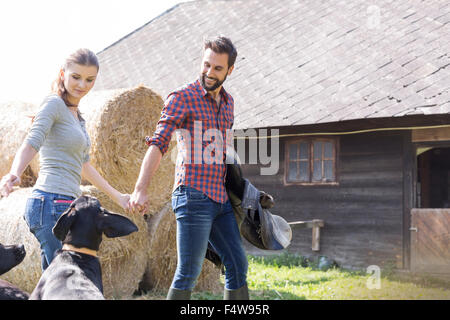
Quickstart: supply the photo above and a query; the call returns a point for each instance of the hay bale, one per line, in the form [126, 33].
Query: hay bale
[117, 122]
[14, 230]
[124, 259]
[15, 122]
[163, 256]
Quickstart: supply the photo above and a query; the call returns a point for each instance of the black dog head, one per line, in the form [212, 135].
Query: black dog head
[84, 222]
[10, 256]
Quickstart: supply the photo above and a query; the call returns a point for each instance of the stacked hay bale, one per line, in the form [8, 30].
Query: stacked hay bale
[163, 256]
[118, 122]
[15, 121]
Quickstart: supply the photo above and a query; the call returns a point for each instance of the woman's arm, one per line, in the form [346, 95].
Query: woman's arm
[23, 157]
[89, 173]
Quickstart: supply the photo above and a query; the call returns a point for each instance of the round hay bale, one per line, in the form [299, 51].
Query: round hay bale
[118, 122]
[124, 259]
[162, 261]
[14, 230]
[15, 122]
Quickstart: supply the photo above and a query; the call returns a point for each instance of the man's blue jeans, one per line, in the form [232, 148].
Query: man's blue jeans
[41, 213]
[199, 220]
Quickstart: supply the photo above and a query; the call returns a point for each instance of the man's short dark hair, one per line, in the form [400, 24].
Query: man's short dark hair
[221, 44]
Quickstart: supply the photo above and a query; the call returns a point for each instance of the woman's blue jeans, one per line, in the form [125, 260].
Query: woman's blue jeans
[41, 213]
[199, 220]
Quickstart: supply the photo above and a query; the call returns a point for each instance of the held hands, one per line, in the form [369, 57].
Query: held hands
[7, 183]
[138, 202]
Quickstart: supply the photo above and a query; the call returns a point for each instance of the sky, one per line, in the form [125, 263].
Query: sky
[37, 35]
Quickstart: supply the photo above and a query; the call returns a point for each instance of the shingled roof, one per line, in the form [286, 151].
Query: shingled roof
[299, 62]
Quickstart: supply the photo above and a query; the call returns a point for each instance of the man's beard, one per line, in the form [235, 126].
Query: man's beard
[214, 86]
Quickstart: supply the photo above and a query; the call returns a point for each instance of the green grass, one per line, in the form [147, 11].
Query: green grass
[292, 277]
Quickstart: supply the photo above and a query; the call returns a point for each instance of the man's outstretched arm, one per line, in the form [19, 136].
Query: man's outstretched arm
[139, 198]
[172, 116]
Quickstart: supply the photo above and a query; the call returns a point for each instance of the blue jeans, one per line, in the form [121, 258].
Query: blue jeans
[199, 220]
[41, 214]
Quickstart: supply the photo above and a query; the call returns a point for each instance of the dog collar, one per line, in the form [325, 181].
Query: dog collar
[69, 247]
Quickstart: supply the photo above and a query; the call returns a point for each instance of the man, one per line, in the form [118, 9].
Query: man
[200, 111]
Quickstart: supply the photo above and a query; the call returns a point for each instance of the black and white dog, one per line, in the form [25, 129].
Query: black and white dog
[11, 256]
[75, 272]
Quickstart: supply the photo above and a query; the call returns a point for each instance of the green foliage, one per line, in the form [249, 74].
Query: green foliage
[292, 277]
[283, 259]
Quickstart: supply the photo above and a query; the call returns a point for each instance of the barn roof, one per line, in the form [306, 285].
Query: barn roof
[299, 61]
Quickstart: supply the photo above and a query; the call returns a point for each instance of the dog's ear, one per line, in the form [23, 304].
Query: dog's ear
[64, 223]
[114, 225]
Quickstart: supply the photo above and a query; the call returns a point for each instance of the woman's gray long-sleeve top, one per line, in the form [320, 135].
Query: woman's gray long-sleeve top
[63, 145]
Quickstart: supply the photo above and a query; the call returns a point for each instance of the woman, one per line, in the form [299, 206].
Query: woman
[59, 134]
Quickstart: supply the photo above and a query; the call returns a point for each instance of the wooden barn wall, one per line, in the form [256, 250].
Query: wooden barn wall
[363, 214]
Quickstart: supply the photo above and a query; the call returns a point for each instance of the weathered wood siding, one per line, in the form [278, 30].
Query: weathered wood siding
[363, 214]
[430, 240]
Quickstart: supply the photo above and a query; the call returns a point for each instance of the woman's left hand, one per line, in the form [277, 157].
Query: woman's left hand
[123, 200]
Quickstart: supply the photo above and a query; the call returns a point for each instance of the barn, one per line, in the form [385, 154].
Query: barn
[353, 100]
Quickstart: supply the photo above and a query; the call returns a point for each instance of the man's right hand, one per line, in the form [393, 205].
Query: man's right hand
[7, 183]
[138, 202]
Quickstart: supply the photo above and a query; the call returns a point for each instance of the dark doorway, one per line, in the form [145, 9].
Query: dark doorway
[433, 175]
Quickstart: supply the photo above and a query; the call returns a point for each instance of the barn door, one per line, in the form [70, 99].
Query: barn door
[430, 240]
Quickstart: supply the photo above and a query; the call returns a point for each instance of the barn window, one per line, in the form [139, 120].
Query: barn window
[311, 161]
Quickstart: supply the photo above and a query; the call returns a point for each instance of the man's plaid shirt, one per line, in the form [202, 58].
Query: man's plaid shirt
[202, 128]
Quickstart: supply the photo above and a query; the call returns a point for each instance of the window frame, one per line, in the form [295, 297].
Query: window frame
[310, 141]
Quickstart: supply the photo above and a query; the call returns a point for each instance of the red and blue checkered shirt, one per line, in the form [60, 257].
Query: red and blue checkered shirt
[202, 128]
